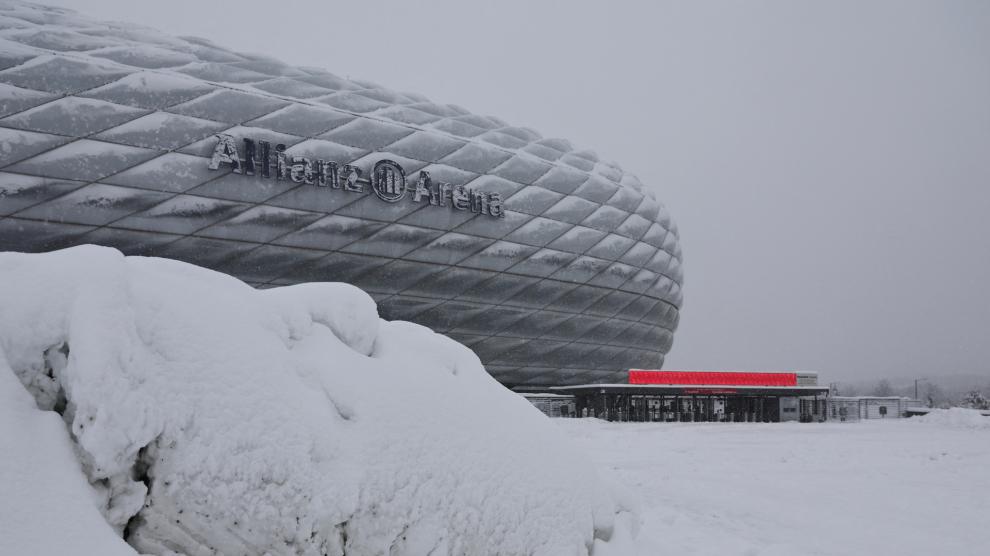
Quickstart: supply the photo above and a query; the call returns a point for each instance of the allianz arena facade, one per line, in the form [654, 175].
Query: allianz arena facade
[555, 267]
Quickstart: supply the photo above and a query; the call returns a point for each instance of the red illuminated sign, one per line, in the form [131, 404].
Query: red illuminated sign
[710, 391]
[712, 378]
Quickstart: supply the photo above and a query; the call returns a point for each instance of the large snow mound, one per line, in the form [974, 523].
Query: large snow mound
[203, 416]
[957, 417]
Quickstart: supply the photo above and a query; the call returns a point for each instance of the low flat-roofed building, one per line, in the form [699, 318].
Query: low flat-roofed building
[855, 408]
[717, 396]
[553, 405]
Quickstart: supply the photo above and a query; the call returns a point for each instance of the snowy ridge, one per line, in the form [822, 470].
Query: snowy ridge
[213, 418]
[957, 417]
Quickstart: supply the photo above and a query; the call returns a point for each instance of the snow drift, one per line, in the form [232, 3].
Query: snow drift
[203, 416]
[956, 417]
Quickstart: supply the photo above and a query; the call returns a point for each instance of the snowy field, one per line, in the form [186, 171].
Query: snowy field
[901, 487]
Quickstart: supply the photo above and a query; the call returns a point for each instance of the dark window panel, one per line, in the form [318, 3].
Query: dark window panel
[17, 144]
[172, 172]
[34, 236]
[331, 232]
[302, 120]
[396, 276]
[61, 75]
[394, 240]
[183, 214]
[82, 159]
[267, 262]
[151, 90]
[261, 224]
[161, 130]
[450, 283]
[18, 192]
[15, 99]
[499, 256]
[229, 106]
[95, 204]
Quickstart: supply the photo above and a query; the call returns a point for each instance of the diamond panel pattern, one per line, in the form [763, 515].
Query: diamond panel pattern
[73, 116]
[105, 137]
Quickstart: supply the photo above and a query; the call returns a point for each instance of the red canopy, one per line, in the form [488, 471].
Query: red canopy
[712, 378]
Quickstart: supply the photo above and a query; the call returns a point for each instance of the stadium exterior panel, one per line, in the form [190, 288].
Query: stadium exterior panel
[554, 266]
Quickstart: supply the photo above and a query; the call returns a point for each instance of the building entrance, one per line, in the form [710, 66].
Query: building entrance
[678, 408]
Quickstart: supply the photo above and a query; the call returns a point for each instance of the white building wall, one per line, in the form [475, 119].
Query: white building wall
[866, 407]
[552, 405]
[789, 409]
[880, 409]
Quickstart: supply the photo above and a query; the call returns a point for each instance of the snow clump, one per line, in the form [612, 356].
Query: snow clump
[203, 416]
[956, 417]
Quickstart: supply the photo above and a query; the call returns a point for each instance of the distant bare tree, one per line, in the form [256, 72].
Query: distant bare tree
[883, 389]
[976, 400]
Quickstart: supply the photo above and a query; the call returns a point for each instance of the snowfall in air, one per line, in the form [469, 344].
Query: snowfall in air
[150, 406]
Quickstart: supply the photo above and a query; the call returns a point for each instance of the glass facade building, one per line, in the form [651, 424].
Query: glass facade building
[554, 266]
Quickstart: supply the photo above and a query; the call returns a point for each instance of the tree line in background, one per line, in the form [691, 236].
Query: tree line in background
[928, 391]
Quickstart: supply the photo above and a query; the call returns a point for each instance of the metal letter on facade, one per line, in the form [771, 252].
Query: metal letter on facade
[266, 159]
[388, 181]
[424, 186]
[351, 175]
[225, 153]
[249, 154]
[443, 193]
[495, 207]
[281, 163]
[479, 202]
[460, 198]
[326, 174]
[301, 171]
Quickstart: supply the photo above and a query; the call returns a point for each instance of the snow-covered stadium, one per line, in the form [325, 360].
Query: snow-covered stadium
[554, 266]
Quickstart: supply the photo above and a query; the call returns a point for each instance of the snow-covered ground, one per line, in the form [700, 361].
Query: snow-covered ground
[917, 486]
[180, 410]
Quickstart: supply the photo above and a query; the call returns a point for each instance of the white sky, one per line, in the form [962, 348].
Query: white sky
[828, 163]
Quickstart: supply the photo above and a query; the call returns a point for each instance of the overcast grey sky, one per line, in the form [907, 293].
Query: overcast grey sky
[828, 163]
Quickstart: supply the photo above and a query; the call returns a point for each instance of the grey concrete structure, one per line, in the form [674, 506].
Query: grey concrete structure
[554, 266]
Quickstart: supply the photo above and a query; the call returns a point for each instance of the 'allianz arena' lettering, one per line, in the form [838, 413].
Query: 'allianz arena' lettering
[388, 179]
